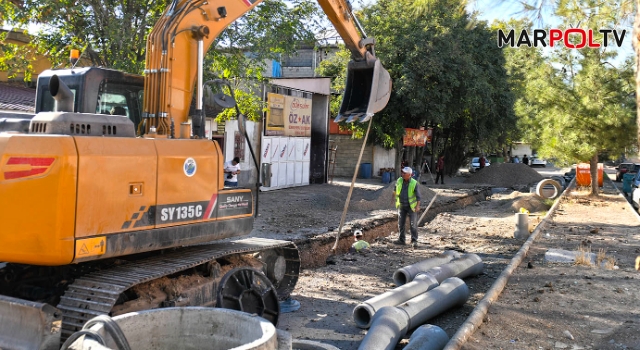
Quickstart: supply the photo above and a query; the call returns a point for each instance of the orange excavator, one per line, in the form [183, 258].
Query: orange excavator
[113, 213]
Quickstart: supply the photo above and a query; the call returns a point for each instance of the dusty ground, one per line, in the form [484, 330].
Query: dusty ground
[542, 307]
[564, 306]
[329, 294]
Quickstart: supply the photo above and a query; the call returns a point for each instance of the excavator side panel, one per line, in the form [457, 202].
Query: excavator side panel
[37, 198]
[116, 186]
[189, 174]
[139, 195]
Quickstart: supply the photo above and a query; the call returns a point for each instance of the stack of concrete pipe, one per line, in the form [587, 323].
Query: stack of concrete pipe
[424, 290]
[391, 323]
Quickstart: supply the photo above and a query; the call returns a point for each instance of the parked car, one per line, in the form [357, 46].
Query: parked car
[474, 165]
[635, 197]
[625, 168]
[535, 161]
[635, 183]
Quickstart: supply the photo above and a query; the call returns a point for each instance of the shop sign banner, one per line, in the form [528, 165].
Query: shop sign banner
[417, 137]
[297, 121]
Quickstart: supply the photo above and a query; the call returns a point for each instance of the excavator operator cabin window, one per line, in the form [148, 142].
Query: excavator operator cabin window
[47, 103]
[119, 99]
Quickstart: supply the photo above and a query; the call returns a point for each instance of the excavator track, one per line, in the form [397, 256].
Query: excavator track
[97, 293]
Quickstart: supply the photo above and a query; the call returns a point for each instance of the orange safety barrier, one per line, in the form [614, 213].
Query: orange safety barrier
[583, 174]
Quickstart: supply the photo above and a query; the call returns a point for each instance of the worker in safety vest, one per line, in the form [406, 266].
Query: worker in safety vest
[407, 199]
[359, 244]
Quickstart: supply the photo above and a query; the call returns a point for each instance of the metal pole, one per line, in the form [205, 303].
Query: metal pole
[353, 180]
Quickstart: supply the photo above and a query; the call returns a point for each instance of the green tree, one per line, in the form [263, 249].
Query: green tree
[575, 103]
[112, 33]
[447, 73]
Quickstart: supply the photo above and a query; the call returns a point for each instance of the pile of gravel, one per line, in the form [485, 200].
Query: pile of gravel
[383, 198]
[505, 175]
[531, 202]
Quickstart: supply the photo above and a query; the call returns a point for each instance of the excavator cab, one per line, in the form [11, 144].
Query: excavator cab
[367, 91]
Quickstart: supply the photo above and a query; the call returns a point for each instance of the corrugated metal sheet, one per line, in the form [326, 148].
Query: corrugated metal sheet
[17, 98]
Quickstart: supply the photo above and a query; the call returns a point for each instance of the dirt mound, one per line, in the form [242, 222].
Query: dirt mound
[505, 175]
[383, 198]
[531, 202]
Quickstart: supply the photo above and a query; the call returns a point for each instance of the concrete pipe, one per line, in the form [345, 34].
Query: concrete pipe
[408, 273]
[549, 188]
[522, 226]
[427, 337]
[363, 312]
[193, 328]
[464, 266]
[390, 324]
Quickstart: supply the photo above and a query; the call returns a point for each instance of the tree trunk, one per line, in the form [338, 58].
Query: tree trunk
[636, 47]
[411, 152]
[399, 154]
[594, 174]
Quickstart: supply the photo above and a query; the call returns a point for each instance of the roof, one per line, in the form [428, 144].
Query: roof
[17, 98]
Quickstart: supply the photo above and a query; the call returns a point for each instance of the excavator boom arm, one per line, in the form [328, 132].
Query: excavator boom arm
[187, 29]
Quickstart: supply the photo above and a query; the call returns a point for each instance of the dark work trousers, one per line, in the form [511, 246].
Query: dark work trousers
[413, 222]
[440, 175]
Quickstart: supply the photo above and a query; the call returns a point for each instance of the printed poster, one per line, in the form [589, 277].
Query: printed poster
[417, 137]
[274, 125]
[297, 121]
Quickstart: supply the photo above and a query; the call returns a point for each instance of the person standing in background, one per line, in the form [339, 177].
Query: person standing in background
[440, 169]
[231, 170]
[407, 200]
[525, 160]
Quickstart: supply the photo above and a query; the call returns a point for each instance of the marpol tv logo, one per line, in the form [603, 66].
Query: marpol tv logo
[572, 38]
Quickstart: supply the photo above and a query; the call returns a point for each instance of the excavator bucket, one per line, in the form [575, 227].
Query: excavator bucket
[28, 325]
[367, 91]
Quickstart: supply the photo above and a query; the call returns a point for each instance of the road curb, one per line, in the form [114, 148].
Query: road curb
[479, 312]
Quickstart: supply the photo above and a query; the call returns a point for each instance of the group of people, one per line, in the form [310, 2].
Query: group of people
[525, 160]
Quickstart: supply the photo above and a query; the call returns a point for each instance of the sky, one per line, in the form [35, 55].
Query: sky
[491, 10]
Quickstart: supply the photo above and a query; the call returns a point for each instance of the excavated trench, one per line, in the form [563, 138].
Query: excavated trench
[314, 251]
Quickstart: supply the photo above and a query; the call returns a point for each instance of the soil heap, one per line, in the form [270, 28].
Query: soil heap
[383, 198]
[505, 175]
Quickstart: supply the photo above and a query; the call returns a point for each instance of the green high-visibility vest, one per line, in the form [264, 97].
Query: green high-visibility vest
[413, 201]
[359, 245]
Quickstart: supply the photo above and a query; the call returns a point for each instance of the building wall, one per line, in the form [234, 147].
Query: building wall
[520, 149]
[303, 63]
[41, 63]
[383, 158]
[248, 173]
[348, 152]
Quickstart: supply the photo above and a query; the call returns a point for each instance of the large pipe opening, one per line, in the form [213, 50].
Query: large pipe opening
[362, 315]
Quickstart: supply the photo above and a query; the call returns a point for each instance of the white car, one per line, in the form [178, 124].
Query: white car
[474, 165]
[535, 161]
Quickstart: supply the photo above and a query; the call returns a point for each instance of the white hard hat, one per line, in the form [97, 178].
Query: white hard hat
[357, 233]
[407, 170]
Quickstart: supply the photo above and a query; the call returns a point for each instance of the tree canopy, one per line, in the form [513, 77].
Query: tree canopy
[574, 105]
[447, 73]
[113, 33]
